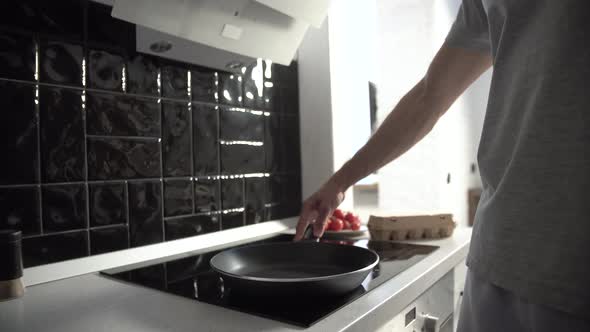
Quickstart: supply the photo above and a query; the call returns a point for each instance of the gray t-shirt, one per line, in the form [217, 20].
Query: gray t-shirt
[532, 227]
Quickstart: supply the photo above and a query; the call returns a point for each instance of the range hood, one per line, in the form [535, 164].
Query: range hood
[224, 34]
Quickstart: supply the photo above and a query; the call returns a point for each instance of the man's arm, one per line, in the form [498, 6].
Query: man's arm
[452, 70]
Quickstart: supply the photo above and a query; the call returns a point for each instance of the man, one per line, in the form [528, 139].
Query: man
[529, 261]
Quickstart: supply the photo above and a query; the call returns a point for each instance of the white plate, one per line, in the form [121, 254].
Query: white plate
[348, 232]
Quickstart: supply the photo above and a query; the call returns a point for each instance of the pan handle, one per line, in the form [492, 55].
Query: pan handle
[308, 234]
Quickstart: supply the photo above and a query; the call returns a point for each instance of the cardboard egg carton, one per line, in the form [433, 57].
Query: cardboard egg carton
[399, 228]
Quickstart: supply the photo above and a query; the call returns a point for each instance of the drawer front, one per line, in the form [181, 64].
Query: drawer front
[434, 307]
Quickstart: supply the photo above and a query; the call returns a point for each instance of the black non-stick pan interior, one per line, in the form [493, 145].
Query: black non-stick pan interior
[288, 261]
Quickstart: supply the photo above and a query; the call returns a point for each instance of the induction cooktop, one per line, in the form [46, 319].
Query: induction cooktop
[192, 277]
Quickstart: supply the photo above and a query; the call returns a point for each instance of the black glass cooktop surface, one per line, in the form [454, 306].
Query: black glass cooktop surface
[192, 277]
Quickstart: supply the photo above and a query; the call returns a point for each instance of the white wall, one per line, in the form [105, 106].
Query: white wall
[335, 66]
[409, 33]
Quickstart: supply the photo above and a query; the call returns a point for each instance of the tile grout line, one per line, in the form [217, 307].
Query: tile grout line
[85, 125]
[218, 146]
[162, 193]
[134, 138]
[244, 201]
[126, 198]
[172, 178]
[191, 143]
[38, 119]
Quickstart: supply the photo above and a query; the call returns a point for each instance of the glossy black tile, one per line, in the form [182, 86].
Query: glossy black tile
[145, 213]
[232, 220]
[230, 89]
[64, 207]
[188, 267]
[239, 125]
[178, 197]
[18, 15]
[54, 248]
[256, 190]
[60, 62]
[108, 204]
[272, 143]
[152, 276]
[205, 140]
[119, 115]
[18, 134]
[291, 151]
[179, 228]
[62, 135]
[207, 196]
[232, 194]
[62, 18]
[282, 145]
[282, 211]
[109, 239]
[286, 99]
[284, 189]
[204, 85]
[110, 159]
[258, 87]
[174, 82]
[242, 159]
[17, 56]
[104, 29]
[105, 70]
[176, 139]
[142, 75]
[19, 209]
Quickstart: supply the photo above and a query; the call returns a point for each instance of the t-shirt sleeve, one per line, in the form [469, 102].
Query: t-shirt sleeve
[470, 29]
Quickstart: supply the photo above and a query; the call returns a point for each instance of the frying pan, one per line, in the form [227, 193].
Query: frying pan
[294, 268]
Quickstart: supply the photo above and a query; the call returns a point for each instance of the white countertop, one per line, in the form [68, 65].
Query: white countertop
[92, 303]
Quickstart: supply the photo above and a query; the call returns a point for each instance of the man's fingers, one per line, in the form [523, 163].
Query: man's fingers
[307, 215]
[318, 226]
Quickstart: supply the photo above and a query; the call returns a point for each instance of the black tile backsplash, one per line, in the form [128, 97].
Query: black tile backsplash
[205, 139]
[54, 248]
[105, 148]
[64, 207]
[62, 134]
[142, 75]
[18, 137]
[17, 56]
[145, 213]
[105, 70]
[123, 158]
[239, 125]
[175, 82]
[176, 139]
[19, 208]
[232, 220]
[207, 195]
[60, 62]
[243, 157]
[103, 240]
[178, 228]
[178, 197]
[119, 115]
[232, 194]
[107, 204]
[230, 89]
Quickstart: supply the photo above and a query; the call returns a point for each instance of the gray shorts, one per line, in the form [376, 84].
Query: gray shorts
[490, 308]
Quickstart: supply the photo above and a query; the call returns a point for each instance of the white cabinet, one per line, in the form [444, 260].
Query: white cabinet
[430, 312]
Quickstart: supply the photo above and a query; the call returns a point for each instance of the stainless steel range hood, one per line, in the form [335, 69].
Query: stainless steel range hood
[204, 31]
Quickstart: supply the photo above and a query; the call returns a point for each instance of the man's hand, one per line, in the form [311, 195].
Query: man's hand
[319, 207]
